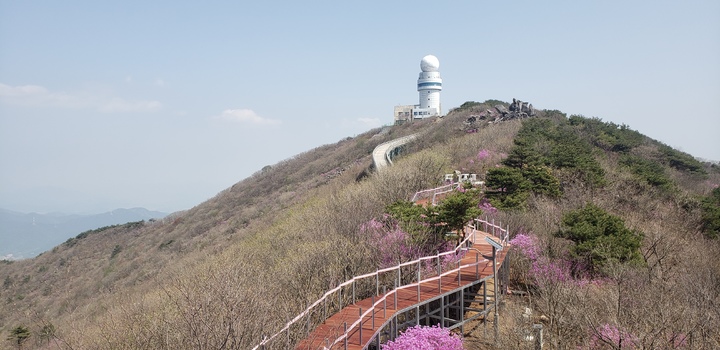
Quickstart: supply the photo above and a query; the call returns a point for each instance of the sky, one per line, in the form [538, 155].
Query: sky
[162, 105]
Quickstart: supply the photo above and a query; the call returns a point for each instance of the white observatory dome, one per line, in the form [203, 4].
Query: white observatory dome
[429, 63]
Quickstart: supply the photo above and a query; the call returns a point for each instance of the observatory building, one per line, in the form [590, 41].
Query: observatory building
[429, 85]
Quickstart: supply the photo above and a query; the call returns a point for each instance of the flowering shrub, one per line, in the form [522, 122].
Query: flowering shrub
[486, 207]
[451, 259]
[483, 154]
[546, 271]
[423, 337]
[527, 244]
[611, 337]
[393, 244]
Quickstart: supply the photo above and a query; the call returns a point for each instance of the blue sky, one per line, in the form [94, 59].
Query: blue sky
[107, 104]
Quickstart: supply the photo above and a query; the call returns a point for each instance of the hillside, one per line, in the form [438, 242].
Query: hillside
[236, 266]
[27, 235]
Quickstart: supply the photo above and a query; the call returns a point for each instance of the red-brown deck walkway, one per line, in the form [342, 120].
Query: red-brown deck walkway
[333, 327]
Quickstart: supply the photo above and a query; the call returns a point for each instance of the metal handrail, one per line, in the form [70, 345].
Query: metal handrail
[384, 297]
[497, 231]
[434, 191]
[461, 246]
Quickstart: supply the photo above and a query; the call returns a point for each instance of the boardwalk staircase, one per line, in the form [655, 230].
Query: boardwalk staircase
[453, 289]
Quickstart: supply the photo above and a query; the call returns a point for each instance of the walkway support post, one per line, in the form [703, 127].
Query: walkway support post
[373, 313]
[442, 311]
[384, 302]
[345, 341]
[485, 301]
[462, 311]
[477, 265]
[360, 313]
[495, 294]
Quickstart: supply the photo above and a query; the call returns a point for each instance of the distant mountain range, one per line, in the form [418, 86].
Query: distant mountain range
[27, 235]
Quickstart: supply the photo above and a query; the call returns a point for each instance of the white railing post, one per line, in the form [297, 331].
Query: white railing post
[418, 280]
[439, 268]
[398, 277]
[377, 282]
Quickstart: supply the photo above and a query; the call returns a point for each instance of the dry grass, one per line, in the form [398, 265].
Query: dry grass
[239, 265]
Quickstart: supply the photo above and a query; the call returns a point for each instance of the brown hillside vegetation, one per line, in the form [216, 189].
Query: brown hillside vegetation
[238, 266]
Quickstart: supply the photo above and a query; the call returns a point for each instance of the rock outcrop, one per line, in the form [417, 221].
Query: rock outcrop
[517, 110]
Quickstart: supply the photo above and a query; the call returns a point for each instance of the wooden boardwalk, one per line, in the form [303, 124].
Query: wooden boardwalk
[401, 299]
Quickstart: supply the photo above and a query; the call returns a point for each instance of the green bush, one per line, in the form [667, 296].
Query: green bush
[19, 335]
[542, 180]
[648, 170]
[430, 224]
[711, 214]
[115, 251]
[541, 146]
[458, 208]
[70, 242]
[600, 238]
[166, 244]
[681, 161]
[508, 187]
[492, 102]
[608, 136]
[557, 145]
[469, 104]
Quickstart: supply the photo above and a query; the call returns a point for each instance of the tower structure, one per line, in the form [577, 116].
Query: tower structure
[429, 86]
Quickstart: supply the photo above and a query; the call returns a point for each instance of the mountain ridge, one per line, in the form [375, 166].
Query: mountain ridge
[25, 235]
[268, 245]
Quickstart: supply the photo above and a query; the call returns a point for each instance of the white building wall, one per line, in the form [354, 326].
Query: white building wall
[429, 87]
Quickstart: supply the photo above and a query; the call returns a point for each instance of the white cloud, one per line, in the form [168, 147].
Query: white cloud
[35, 95]
[245, 116]
[21, 91]
[119, 105]
[39, 96]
